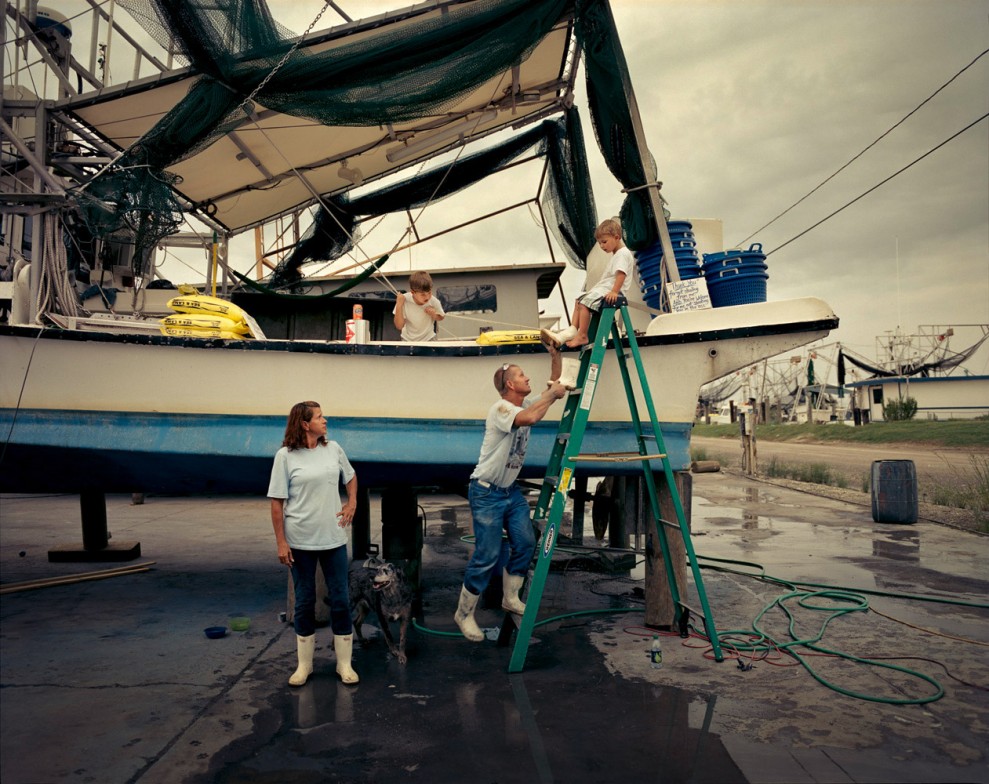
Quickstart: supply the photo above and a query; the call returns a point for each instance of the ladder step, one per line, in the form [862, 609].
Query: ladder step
[692, 610]
[614, 457]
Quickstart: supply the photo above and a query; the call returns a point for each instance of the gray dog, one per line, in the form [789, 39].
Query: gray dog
[379, 585]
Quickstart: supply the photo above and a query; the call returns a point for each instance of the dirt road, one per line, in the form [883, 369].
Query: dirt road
[852, 460]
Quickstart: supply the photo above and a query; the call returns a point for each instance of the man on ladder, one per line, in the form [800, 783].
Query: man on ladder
[496, 502]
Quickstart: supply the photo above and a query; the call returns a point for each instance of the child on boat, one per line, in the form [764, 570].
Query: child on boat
[417, 310]
[615, 281]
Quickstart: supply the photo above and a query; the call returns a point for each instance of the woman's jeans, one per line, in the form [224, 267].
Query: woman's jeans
[494, 510]
[334, 565]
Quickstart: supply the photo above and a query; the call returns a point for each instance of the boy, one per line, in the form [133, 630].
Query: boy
[615, 281]
[416, 311]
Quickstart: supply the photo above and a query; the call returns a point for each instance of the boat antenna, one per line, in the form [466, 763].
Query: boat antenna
[899, 304]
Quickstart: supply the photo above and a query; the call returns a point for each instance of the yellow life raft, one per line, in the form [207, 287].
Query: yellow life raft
[196, 332]
[203, 303]
[500, 337]
[207, 322]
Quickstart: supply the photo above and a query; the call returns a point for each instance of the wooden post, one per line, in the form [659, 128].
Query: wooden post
[361, 525]
[660, 610]
[92, 506]
[579, 500]
[618, 529]
[96, 546]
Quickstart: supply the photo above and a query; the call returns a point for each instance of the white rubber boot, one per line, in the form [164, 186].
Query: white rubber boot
[306, 647]
[560, 337]
[343, 646]
[464, 616]
[569, 368]
[511, 585]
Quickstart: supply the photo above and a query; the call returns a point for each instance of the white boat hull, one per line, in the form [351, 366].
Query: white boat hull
[137, 412]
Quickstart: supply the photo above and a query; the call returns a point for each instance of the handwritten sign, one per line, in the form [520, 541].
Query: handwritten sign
[688, 295]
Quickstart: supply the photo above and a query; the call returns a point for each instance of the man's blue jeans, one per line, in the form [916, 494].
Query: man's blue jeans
[494, 510]
[334, 564]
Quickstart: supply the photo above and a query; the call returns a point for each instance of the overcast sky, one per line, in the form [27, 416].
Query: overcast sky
[747, 106]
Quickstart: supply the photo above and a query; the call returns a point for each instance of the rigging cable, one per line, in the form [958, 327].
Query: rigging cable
[883, 182]
[866, 149]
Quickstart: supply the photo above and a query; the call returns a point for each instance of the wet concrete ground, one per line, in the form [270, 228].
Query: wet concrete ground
[114, 681]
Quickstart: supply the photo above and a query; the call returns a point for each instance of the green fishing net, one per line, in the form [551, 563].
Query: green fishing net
[385, 76]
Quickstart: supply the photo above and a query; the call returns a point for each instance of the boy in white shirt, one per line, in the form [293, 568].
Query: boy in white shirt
[615, 281]
[417, 310]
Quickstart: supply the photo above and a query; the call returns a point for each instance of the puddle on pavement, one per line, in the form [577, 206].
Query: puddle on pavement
[454, 708]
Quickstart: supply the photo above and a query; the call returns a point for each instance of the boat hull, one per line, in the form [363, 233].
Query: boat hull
[146, 413]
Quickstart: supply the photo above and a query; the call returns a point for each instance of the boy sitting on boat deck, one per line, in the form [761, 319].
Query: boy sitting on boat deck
[417, 310]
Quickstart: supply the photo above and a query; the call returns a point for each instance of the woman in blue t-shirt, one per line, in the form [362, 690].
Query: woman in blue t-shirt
[310, 525]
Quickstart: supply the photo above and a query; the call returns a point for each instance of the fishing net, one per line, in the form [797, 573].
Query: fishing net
[132, 203]
[568, 200]
[393, 75]
[248, 63]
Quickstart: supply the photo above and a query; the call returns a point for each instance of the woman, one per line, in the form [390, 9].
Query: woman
[310, 527]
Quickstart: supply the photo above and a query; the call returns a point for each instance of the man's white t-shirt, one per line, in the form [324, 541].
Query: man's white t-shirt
[503, 448]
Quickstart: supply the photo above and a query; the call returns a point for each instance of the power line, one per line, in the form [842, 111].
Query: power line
[894, 174]
[869, 147]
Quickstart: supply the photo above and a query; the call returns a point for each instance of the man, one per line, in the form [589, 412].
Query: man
[496, 502]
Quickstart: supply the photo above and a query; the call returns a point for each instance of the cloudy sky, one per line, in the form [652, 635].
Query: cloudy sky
[748, 106]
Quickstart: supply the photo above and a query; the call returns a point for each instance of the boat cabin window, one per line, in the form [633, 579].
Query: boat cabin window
[468, 299]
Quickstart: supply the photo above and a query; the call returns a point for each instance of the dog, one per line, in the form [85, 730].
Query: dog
[379, 585]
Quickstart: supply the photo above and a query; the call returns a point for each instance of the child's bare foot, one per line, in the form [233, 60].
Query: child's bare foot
[578, 341]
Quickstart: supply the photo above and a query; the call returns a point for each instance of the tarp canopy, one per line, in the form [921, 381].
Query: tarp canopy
[356, 102]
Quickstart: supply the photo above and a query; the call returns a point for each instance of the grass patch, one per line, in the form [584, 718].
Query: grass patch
[812, 473]
[970, 491]
[957, 433]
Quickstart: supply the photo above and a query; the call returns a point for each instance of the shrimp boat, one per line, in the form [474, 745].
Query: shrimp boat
[243, 125]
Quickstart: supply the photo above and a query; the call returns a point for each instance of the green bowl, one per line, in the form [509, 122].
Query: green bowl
[240, 623]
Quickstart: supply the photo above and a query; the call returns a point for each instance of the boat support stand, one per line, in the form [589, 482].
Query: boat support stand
[96, 545]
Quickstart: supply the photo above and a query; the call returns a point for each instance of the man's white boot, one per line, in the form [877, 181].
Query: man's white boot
[511, 585]
[464, 616]
[306, 647]
[343, 646]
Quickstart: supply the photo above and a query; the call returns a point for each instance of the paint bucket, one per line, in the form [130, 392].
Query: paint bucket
[357, 331]
[894, 491]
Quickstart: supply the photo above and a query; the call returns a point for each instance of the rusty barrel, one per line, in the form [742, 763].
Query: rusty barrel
[894, 491]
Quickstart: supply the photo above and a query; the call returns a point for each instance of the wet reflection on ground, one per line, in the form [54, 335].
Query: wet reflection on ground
[455, 714]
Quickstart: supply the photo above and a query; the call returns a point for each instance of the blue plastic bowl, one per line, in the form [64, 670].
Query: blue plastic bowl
[215, 632]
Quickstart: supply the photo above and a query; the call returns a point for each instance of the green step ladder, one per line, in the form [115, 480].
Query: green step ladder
[566, 454]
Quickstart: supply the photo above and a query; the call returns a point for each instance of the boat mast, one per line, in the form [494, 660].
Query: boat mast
[652, 184]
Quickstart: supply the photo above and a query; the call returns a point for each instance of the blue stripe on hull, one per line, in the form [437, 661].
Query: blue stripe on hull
[69, 451]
